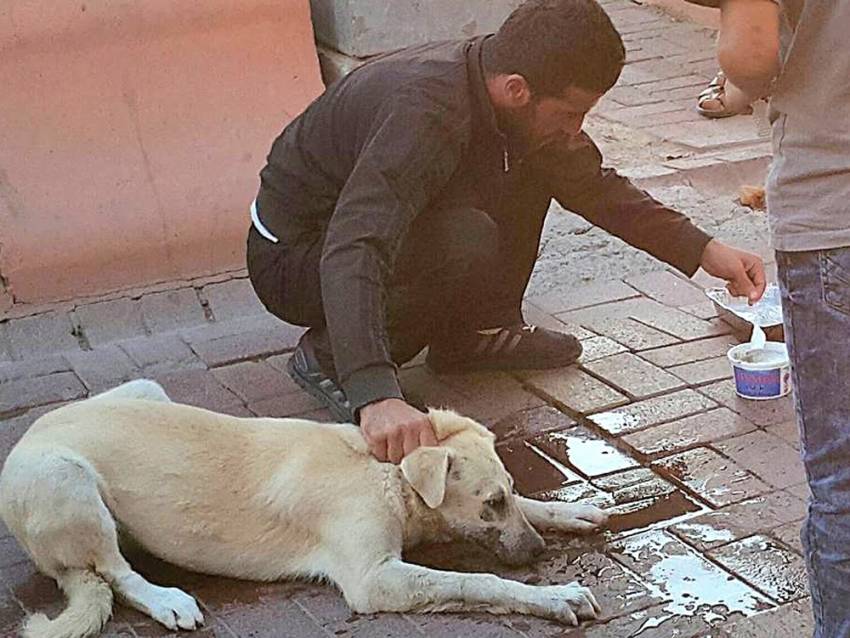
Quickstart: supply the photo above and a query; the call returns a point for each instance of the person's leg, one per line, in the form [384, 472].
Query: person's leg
[286, 280]
[467, 307]
[440, 270]
[816, 306]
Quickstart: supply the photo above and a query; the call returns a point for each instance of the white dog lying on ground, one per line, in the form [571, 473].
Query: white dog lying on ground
[266, 499]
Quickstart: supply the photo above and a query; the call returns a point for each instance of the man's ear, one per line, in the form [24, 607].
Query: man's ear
[517, 91]
[426, 469]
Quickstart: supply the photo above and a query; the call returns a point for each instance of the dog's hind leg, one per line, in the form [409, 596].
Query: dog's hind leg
[52, 504]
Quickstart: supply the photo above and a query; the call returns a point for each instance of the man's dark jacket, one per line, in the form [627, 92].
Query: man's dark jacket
[407, 132]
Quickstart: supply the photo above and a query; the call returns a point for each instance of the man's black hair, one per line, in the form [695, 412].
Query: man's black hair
[555, 44]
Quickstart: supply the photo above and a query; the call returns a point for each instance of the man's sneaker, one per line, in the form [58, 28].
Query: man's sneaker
[506, 348]
[303, 366]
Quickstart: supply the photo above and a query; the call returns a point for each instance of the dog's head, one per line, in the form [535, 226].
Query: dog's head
[465, 482]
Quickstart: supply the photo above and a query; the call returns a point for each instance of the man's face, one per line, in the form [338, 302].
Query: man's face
[548, 118]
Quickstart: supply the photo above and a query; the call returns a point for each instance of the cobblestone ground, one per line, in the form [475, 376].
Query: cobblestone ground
[706, 490]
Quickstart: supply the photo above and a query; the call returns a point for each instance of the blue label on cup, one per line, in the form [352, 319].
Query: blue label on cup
[758, 383]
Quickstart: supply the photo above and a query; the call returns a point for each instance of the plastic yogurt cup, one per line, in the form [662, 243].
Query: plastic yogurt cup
[761, 374]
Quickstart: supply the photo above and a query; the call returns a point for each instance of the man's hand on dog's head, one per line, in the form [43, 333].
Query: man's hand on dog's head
[393, 429]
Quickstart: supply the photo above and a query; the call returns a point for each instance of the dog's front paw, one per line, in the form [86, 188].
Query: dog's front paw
[570, 603]
[576, 518]
[174, 608]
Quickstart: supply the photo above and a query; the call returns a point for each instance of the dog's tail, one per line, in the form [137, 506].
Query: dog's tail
[89, 607]
[137, 389]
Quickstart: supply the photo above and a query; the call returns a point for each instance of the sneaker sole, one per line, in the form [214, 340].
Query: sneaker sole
[339, 412]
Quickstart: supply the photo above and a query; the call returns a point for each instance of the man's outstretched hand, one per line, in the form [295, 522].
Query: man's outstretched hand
[393, 429]
[743, 271]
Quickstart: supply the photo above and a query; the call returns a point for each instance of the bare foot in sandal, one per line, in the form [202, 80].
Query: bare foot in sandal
[721, 98]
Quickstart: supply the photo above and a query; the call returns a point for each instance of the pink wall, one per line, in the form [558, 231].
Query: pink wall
[131, 135]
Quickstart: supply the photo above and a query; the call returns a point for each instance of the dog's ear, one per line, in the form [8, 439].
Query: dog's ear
[426, 469]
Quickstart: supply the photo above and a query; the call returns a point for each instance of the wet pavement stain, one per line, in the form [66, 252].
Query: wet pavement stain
[585, 452]
[645, 514]
[530, 423]
[533, 470]
[649, 412]
[634, 485]
[766, 565]
[692, 586]
[716, 479]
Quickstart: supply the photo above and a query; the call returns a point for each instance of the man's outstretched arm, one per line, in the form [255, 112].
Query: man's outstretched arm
[610, 201]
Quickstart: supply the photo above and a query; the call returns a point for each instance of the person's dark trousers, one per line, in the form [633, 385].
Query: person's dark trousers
[458, 269]
[815, 289]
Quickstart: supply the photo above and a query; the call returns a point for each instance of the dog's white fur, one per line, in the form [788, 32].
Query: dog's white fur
[266, 499]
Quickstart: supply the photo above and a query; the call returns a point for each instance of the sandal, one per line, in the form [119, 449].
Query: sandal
[730, 99]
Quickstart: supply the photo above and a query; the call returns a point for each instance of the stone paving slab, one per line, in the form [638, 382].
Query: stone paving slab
[563, 300]
[655, 411]
[41, 335]
[596, 348]
[716, 479]
[787, 621]
[667, 288]
[232, 299]
[530, 423]
[725, 525]
[680, 575]
[160, 354]
[247, 345]
[767, 566]
[491, 395]
[632, 375]
[26, 393]
[575, 389]
[538, 317]
[703, 372]
[112, 320]
[103, 368]
[172, 309]
[789, 535]
[690, 352]
[36, 367]
[767, 456]
[762, 413]
[689, 432]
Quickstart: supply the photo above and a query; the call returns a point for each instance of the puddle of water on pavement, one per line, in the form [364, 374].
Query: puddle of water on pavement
[645, 514]
[590, 455]
[534, 471]
[705, 533]
[692, 585]
[569, 475]
[616, 422]
[708, 475]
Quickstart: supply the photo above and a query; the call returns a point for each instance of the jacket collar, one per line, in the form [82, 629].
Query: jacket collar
[484, 115]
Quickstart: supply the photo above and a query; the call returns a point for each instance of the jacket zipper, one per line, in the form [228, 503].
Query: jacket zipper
[506, 162]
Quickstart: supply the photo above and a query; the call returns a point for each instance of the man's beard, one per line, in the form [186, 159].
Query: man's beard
[518, 126]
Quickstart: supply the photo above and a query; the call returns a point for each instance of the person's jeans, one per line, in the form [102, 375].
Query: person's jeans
[815, 289]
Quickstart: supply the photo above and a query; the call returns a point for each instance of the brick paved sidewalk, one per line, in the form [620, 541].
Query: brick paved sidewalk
[706, 489]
